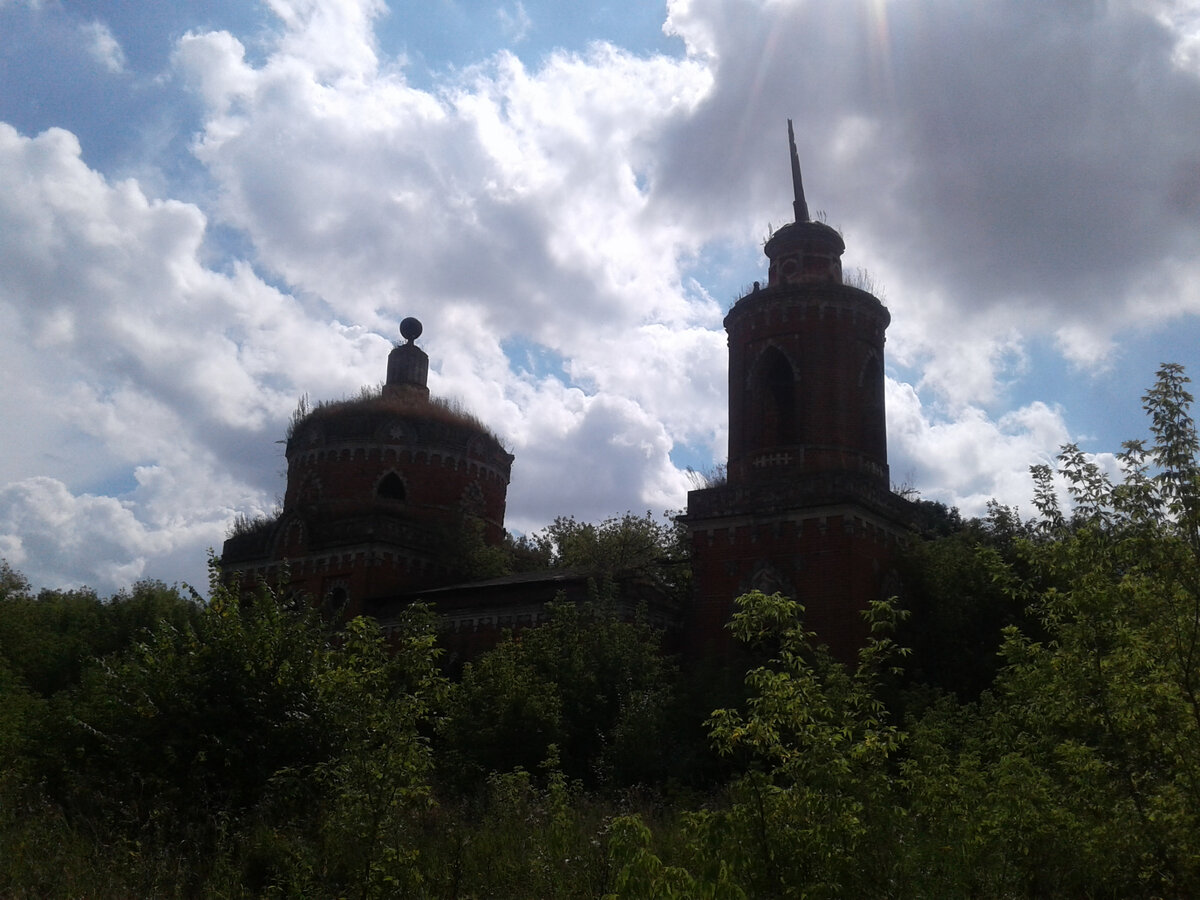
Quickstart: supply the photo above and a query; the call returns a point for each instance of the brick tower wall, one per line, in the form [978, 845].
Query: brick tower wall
[834, 561]
[827, 341]
[377, 492]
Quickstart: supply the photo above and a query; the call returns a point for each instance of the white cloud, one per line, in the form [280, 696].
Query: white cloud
[605, 456]
[514, 204]
[152, 386]
[333, 39]
[515, 22]
[1025, 162]
[103, 47]
[1182, 17]
[69, 541]
[969, 459]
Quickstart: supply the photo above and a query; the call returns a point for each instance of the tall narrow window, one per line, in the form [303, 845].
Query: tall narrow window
[391, 487]
[874, 428]
[774, 400]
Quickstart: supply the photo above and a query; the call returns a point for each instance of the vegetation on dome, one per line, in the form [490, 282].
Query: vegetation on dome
[819, 217]
[714, 477]
[246, 525]
[863, 280]
[373, 398]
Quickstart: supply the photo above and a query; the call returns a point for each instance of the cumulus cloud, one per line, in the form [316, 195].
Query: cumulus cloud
[969, 459]
[512, 205]
[1005, 174]
[152, 386]
[69, 540]
[103, 47]
[515, 22]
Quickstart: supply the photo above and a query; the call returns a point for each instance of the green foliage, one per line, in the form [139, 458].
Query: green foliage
[46, 640]
[467, 556]
[618, 544]
[373, 789]
[13, 584]
[252, 709]
[245, 743]
[641, 875]
[585, 681]
[815, 803]
[1081, 772]
[814, 812]
[503, 715]
[934, 519]
[245, 525]
[654, 548]
[189, 727]
[521, 836]
[959, 608]
[20, 713]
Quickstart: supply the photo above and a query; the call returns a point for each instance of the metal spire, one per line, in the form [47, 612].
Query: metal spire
[798, 204]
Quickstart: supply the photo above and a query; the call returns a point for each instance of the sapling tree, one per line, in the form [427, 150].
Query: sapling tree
[813, 811]
[1080, 773]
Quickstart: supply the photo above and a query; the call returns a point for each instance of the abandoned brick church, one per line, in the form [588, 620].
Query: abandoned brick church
[377, 485]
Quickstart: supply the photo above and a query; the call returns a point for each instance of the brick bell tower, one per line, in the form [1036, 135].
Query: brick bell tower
[807, 509]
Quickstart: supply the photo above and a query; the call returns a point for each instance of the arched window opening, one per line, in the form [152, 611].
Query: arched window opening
[874, 429]
[293, 538]
[774, 400]
[310, 492]
[337, 598]
[335, 603]
[391, 487]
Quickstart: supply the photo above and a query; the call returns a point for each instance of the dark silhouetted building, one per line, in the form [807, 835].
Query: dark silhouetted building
[807, 508]
[382, 489]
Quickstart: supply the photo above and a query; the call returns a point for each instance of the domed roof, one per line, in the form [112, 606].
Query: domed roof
[815, 235]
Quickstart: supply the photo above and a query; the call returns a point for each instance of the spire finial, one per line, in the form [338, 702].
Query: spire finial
[410, 329]
[408, 365]
[798, 204]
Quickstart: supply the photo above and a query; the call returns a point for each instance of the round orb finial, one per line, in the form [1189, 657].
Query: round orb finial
[410, 329]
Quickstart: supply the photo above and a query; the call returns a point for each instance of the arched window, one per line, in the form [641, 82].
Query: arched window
[310, 492]
[293, 539]
[773, 399]
[874, 428]
[391, 487]
[336, 600]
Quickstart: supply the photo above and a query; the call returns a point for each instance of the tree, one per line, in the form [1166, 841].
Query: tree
[47, 639]
[1081, 771]
[814, 813]
[189, 726]
[585, 681]
[958, 609]
[379, 701]
[652, 548]
[242, 713]
[616, 544]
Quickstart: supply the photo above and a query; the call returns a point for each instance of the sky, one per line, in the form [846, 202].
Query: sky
[210, 209]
